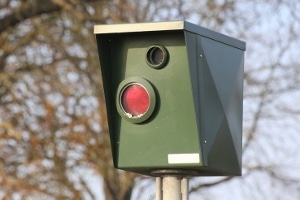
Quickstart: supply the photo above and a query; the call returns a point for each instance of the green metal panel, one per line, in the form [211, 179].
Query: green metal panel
[217, 79]
[225, 69]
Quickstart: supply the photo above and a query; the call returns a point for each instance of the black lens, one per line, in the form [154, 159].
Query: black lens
[157, 56]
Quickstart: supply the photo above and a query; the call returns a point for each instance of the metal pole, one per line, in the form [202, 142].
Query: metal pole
[172, 184]
[171, 188]
[185, 188]
[158, 188]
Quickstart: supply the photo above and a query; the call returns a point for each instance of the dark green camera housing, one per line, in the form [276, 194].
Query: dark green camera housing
[174, 97]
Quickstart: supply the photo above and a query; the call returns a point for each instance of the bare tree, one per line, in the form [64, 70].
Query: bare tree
[53, 130]
[53, 126]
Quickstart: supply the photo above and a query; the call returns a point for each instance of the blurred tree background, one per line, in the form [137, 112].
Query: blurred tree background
[54, 140]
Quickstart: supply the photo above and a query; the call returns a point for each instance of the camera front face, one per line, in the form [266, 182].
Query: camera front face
[150, 83]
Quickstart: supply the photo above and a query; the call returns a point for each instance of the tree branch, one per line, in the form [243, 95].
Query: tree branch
[199, 186]
[25, 11]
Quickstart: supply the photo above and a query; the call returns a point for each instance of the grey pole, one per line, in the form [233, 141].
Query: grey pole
[158, 189]
[172, 184]
[171, 188]
[185, 188]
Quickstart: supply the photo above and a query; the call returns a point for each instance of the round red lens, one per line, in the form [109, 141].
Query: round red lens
[135, 100]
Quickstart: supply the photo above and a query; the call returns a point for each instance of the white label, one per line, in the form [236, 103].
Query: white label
[184, 158]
